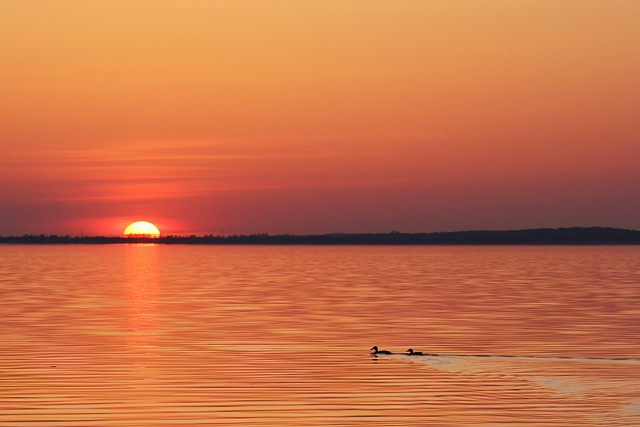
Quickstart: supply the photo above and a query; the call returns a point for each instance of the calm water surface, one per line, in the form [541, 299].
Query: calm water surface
[149, 335]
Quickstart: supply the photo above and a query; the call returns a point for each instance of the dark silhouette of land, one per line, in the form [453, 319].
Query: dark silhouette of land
[539, 236]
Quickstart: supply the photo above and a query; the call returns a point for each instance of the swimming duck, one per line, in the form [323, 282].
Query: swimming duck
[414, 353]
[376, 351]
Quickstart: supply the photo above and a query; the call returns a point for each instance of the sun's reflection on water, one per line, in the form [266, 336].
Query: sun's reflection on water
[141, 290]
[141, 295]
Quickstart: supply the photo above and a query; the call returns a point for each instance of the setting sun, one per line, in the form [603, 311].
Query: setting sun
[141, 229]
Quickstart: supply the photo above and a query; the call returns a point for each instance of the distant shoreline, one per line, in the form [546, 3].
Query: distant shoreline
[538, 236]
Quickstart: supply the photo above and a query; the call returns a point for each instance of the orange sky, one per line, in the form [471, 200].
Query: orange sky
[291, 116]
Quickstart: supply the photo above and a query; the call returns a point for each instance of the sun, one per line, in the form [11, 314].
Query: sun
[141, 229]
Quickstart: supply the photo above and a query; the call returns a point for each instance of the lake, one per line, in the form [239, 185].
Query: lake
[160, 335]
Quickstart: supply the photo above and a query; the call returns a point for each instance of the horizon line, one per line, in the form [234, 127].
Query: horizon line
[561, 235]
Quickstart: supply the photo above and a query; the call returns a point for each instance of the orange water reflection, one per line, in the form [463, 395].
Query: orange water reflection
[157, 335]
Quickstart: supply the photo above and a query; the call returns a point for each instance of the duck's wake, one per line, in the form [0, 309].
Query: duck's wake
[505, 356]
[560, 380]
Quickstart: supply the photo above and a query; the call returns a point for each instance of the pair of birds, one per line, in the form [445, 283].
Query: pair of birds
[409, 352]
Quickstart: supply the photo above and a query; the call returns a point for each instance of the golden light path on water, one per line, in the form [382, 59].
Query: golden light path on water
[153, 335]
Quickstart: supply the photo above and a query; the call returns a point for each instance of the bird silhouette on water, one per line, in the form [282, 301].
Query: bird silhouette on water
[410, 352]
[376, 351]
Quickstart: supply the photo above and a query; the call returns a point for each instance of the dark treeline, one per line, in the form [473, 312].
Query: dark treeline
[541, 236]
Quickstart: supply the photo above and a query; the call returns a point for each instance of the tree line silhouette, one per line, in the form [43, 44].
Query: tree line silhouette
[539, 236]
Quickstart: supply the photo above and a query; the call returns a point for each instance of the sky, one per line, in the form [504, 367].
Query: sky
[305, 117]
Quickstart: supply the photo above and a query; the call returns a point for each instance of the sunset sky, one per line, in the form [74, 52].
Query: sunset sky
[289, 116]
